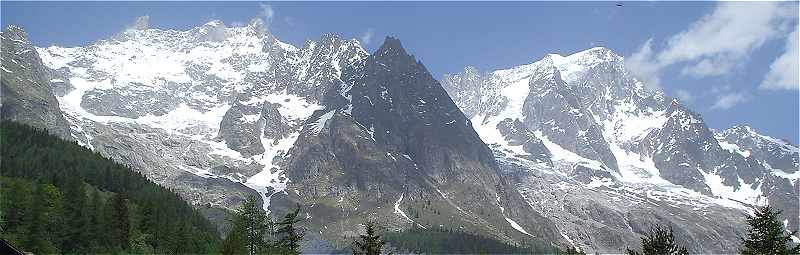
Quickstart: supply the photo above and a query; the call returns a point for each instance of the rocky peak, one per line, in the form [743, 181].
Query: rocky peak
[13, 32]
[390, 49]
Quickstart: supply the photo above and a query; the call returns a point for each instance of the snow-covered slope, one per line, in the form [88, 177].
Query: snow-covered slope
[237, 94]
[604, 130]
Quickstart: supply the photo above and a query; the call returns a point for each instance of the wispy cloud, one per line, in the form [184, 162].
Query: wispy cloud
[683, 95]
[642, 65]
[727, 101]
[266, 12]
[366, 37]
[263, 20]
[141, 23]
[783, 72]
[712, 45]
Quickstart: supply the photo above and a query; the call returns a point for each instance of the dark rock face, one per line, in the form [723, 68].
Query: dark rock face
[775, 152]
[243, 126]
[26, 94]
[391, 135]
[553, 107]
[776, 159]
[517, 134]
[684, 148]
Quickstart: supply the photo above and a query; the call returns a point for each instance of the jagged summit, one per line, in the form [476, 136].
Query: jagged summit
[391, 47]
[15, 32]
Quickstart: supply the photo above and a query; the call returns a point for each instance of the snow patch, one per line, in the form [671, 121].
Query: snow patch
[400, 212]
[320, 123]
[517, 226]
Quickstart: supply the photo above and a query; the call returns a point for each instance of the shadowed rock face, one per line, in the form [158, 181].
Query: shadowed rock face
[26, 94]
[389, 140]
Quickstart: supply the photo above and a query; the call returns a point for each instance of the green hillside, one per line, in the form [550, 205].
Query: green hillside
[59, 197]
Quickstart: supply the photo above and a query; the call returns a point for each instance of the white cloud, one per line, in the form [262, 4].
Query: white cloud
[366, 37]
[141, 23]
[641, 65]
[783, 72]
[264, 18]
[726, 101]
[266, 12]
[714, 44]
[684, 95]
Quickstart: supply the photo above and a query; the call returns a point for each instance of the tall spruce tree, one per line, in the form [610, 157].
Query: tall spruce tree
[370, 243]
[234, 242]
[249, 231]
[766, 234]
[660, 240]
[119, 223]
[77, 233]
[290, 237]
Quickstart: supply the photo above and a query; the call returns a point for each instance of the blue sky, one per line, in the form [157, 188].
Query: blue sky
[732, 62]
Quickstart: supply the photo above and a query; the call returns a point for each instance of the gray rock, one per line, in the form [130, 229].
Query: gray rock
[26, 96]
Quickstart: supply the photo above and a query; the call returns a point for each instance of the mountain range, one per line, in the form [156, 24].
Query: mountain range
[565, 151]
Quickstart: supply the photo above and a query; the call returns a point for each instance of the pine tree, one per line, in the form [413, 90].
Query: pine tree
[76, 233]
[766, 235]
[370, 244]
[573, 251]
[43, 215]
[119, 223]
[249, 232]
[234, 242]
[289, 243]
[16, 201]
[660, 240]
[96, 220]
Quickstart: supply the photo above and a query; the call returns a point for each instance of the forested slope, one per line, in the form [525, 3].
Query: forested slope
[59, 197]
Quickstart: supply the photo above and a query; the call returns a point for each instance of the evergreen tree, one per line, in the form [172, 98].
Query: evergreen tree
[255, 225]
[54, 197]
[249, 232]
[43, 217]
[15, 203]
[95, 211]
[119, 222]
[234, 242]
[573, 251]
[290, 237]
[370, 243]
[76, 233]
[139, 244]
[660, 240]
[766, 234]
